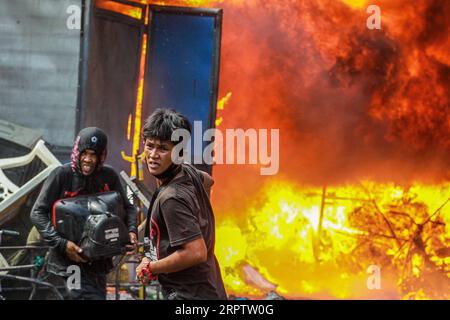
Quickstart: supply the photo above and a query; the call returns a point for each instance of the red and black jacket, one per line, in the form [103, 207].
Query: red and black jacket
[63, 182]
[68, 181]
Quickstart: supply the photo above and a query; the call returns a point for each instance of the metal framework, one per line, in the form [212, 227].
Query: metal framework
[10, 191]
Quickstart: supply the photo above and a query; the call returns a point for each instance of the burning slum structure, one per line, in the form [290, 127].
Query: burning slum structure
[364, 149]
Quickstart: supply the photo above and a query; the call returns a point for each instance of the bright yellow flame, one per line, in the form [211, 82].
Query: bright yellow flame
[138, 114]
[221, 106]
[233, 246]
[357, 4]
[222, 102]
[279, 236]
[130, 118]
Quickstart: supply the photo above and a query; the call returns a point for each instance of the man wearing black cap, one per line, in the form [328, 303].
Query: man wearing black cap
[86, 174]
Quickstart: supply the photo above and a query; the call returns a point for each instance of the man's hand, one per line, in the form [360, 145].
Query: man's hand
[73, 252]
[144, 263]
[133, 240]
[190, 254]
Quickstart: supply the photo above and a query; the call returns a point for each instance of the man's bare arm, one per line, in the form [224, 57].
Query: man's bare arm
[189, 255]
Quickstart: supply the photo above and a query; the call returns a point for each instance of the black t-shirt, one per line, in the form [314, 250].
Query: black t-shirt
[176, 219]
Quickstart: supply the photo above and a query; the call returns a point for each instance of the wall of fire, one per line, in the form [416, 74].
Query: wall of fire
[364, 147]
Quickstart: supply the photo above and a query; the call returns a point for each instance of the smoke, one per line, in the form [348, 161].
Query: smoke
[350, 103]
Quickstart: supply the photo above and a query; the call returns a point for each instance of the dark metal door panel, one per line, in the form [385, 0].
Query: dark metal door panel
[113, 72]
[183, 63]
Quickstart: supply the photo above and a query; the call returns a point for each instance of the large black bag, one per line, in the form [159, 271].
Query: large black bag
[94, 222]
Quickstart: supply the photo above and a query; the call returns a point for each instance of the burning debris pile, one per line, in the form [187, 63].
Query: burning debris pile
[410, 236]
[320, 242]
[352, 105]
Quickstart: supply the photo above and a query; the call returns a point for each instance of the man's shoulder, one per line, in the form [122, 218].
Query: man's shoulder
[58, 177]
[62, 170]
[108, 173]
[107, 169]
[180, 189]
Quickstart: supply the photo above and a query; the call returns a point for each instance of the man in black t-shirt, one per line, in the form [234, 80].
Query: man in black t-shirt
[180, 230]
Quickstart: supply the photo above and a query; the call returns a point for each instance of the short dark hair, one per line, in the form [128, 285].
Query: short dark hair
[162, 123]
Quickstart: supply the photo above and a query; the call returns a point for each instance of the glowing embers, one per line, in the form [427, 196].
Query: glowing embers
[122, 8]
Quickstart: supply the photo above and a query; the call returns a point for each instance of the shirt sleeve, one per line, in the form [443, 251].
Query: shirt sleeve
[181, 221]
[41, 212]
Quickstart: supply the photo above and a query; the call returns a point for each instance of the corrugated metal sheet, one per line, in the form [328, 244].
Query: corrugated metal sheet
[39, 58]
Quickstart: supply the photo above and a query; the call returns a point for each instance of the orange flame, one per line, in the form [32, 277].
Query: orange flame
[122, 8]
[138, 114]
